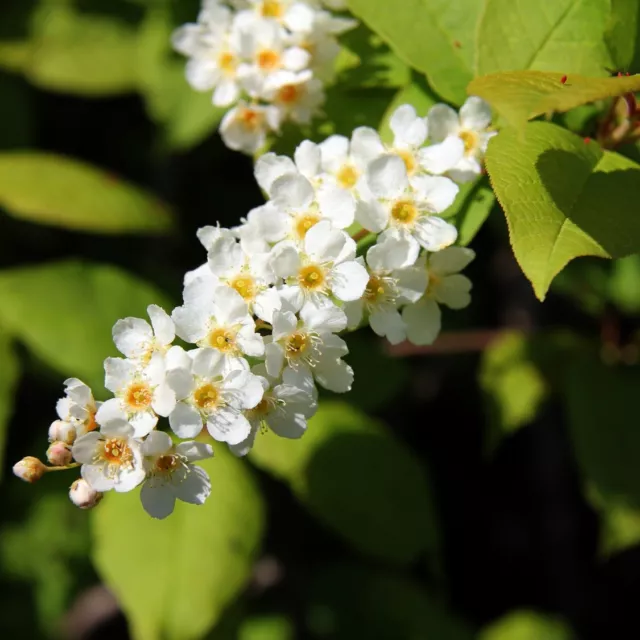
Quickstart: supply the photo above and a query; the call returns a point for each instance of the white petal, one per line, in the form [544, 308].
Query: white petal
[348, 281]
[284, 323]
[285, 259]
[442, 157]
[193, 450]
[185, 421]
[129, 480]
[299, 18]
[466, 170]
[162, 324]
[475, 114]
[323, 243]
[164, 400]
[118, 373]
[270, 167]
[131, 335]
[334, 152]
[451, 260]
[423, 322]
[191, 321]
[266, 303]
[225, 256]
[143, 423]
[436, 192]
[337, 205]
[409, 130]
[84, 448]
[307, 158]
[442, 121]
[195, 486]
[94, 475]
[207, 363]
[292, 191]
[226, 93]
[250, 342]
[389, 253]
[156, 443]
[434, 234]
[158, 501]
[366, 145]
[295, 59]
[227, 426]
[354, 311]
[181, 381]
[274, 359]
[230, 307]
[454, 291]
[411, 283]
[406, 246]
[387, 176]
[110, 410]
[336, 376]
[247, 389]
[388, 323]
[323, 316]
[372, 215]
[118, 427]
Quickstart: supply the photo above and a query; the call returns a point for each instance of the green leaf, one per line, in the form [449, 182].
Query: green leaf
[174, 577]
[513, 384]
[9, 377]
[436, 37]
[359, 480]
[267, 628]
[75, 53]
[527, 625]
[623, 34]
[358, 602]
[619, 522]
[624, 284]
[55, 190]
[187, 117]
[64, 312]
[522, 95]
[562, 198]
[418, 95]
[548, 35]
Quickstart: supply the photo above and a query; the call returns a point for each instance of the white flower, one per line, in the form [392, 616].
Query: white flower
[297, 95]
[245, 127]
[83, 495]
[170, 474]
[77, 412]
[309, 347]
[449, 130]
[298, 202]
[292, 14]
[110, 458]
[141, 393]
[210, 394]
[325, 266]
[446, 286]
[406, 206]
[138, 340]
[285, 408]
[344, 164]
[213, 60]
[388, 287]
[222, 323]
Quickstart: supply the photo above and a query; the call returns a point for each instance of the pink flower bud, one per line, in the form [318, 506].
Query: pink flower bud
[59, 454]
[83, 496]
[29, 469]
[63, 431]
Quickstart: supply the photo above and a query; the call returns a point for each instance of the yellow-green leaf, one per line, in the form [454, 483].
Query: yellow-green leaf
[9, 376]
[521, 95]
[436, 37]
[58, 191]
[354, 476]
[546, 35]
[527, 625]
[563, 198]
[174, 577]
[64, 312]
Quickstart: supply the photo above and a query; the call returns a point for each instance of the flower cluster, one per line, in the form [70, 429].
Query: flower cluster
[262, 317]
[267, 60]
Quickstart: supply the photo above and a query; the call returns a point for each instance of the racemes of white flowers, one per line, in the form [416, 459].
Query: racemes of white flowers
[263, 316]
[265, 60]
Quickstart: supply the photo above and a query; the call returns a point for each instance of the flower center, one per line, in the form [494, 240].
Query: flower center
[227, 62]
[347, 176]
[116, 451]
[261, 410]
[408, 159]
[250, 118]
[223, 340]
[404, 212]
[297, 344]
[268, 59]
[244, 285]
[312, 277]
[207, 396]
[139, 396]
[374, 290]
[272, 9]
[167, 464]
[302, 223]
[470, 139]
[289, 94]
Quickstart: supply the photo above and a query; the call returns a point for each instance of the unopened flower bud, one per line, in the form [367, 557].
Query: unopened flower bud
[59, 454]
[29, 469]
[83, 496]
[63, 431]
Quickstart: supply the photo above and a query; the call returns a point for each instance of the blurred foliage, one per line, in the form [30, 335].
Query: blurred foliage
[527, 625]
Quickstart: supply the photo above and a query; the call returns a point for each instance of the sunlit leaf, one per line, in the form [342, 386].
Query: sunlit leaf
[173, 578]
[527, 625]
[55, 190]
[522, 95]
[436, 37]
[359, 480]
[9, 376]
[623, 34]
[64, 312]
[563, 198]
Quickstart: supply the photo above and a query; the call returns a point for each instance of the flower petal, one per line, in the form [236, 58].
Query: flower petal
[307, 158]
[454, 291]
[387, 176]
[158, 500]
[131, 336]
[440, 158]
[162, 324]
[475, 114]
[423, 321]
[451, 260]
[348, 281]
[185, 421]
[195, 486]
[292, 191]
[442, 121]
[270, 167]
[434, 234]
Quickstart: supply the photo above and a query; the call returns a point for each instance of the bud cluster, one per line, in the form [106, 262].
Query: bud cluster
[263, 316]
